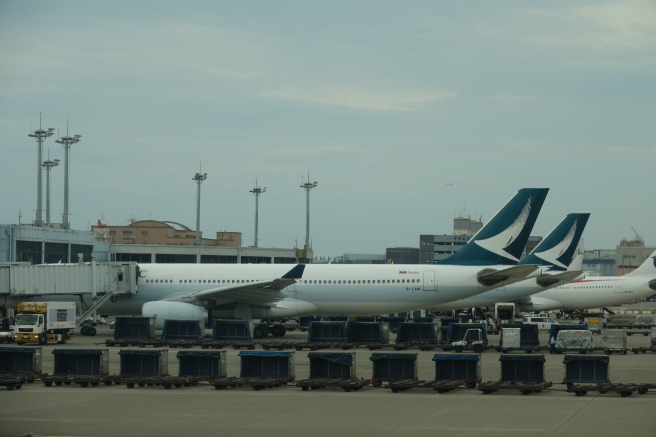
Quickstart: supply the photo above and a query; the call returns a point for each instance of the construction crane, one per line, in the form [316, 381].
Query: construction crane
[638, 236]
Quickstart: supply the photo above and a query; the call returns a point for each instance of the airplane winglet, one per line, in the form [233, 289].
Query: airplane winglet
[490, 277]
[295, 273]
[563, 278]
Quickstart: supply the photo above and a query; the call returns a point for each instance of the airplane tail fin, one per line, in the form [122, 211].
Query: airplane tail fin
[503, 238]
[558, 248]
[648, 268]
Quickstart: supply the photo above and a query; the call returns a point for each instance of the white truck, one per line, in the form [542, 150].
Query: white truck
[44, 322]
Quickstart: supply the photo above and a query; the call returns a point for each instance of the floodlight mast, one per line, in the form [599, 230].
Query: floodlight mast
[48, 164]
[257, 191]
[66, 142]
[40, 135]
[199, 178]
[307, 186]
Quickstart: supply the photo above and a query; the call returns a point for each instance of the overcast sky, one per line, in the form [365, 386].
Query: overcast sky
[406, 113]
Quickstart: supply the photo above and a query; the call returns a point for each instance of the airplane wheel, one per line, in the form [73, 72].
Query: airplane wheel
[278, 330]
[261, 331]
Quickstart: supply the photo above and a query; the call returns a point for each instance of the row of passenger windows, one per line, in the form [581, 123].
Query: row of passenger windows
[570, 286]
[302, 281]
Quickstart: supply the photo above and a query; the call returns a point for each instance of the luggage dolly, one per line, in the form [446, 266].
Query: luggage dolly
[623, 390]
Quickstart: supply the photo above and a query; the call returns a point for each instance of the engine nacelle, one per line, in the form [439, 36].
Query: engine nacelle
[163, 310]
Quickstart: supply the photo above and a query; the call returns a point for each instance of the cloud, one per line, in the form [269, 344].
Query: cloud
[524, 147]
[611, 26]
[314, 150]
[358, 98]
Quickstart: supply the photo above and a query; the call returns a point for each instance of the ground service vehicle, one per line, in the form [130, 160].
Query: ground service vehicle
[44, 322]
[542, 321]
[504, 314]
[473, 341]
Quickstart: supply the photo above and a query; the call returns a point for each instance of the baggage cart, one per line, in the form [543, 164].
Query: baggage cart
[329, 369]
[393, 366]
[21, 361]
[614, 341]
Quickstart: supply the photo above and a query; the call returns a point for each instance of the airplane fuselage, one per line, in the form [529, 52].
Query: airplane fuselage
[592, 292]
[323, 290]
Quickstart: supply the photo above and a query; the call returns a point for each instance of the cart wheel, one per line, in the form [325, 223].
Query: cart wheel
[10, 386]
[141, 384]
[487, 392]
[580, 393]
[603, 392]
[395, 390]
[625, 394]
[440, 390]
[347, 389]
[178, 385]
[304, 387]
[218, 387]
[84, 384]
[459, 349]
[56, 383]
[48, 383]
[478, 348]
[94, 384]
[108, 382]
[527, 392]
[624, 352]
[168, 386]
[130, 385]
[642, 391]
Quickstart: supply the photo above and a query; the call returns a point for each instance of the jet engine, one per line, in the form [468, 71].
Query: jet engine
[164, 310]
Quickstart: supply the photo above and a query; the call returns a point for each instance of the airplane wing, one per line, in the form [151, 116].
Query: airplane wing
[490, 277]
[258, 293]
[559, 279]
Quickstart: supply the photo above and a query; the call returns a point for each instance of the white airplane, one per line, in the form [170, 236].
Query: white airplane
[206, 292]
[555, 253]
[596, 291]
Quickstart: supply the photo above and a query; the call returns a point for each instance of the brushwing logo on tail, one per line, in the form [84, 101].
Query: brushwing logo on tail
[550, 256]
[504, 239]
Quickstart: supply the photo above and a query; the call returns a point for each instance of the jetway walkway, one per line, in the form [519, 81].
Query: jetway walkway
[99, 281]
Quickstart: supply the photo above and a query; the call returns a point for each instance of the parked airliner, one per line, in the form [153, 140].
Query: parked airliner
[596, 291]
[211, 291]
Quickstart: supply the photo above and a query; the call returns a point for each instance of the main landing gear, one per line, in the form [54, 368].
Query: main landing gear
[267, 327]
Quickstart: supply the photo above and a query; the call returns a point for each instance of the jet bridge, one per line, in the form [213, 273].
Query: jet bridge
[90, 282]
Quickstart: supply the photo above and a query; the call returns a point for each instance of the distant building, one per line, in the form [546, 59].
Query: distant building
[161, 232]
[152, 241]
[49, 245]
[402, 255]
[361, 258]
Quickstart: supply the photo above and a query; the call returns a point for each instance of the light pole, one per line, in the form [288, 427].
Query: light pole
[257, 191]
[40, 136]
[307, 186]
[48, 164]
[66, 142]
[199, 178]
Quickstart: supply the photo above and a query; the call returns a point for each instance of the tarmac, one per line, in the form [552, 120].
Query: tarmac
[70, 410]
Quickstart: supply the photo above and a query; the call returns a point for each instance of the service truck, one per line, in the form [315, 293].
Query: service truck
[44, 322]
[504, 314]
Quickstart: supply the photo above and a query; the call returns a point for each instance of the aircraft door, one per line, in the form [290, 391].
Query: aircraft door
[429, 280]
